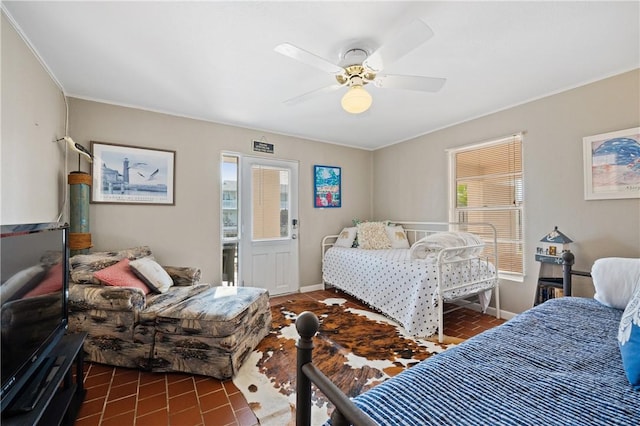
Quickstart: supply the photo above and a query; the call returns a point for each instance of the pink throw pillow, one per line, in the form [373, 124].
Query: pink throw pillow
[120, 275]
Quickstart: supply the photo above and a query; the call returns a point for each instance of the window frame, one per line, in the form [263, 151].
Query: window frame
[453, 194]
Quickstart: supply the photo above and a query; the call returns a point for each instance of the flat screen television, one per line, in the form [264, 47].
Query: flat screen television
[34, 273]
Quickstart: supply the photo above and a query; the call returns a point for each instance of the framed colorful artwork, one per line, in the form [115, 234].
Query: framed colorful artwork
[123, 174]
[612, 165]
[327, 182]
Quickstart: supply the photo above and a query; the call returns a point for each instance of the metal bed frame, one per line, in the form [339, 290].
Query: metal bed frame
[417, 230]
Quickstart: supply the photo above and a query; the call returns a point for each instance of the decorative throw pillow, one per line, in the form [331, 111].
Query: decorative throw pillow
[629, 340]
[153, 275]
[615, 280]
[397, 237]
[373, 236]
[120, 275]
[346, 237]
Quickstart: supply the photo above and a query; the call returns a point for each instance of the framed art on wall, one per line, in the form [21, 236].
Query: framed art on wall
[123, 174]
[327, 191]
[612, 165]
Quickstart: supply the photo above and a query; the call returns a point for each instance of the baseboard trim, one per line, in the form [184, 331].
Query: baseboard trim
[491, 311]
[309, 288]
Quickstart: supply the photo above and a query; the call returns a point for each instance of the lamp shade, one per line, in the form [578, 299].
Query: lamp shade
[356, 100]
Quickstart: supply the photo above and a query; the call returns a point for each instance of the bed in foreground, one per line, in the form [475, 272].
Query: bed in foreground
[556, 364]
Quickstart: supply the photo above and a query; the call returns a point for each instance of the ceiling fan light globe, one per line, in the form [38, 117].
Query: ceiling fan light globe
[356, 100]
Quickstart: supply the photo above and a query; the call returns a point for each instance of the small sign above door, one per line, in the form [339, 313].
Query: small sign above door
[260, 146]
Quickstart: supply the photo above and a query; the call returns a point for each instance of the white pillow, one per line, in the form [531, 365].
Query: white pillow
[154, 275]
[432, 244]
[397, 237]
[346, 237]
[615, 280]
[373, 236]
[471, 240]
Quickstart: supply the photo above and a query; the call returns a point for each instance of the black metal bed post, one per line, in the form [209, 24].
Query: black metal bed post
[307, 325]
[567, 262]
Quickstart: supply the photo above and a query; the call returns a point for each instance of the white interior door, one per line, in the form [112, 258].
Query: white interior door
[269, 237]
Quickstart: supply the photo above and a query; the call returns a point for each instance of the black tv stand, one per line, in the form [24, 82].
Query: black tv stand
[52, 397]
[33, 391]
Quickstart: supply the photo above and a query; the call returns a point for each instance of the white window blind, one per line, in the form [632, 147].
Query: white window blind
[488, 187]
[270, 195]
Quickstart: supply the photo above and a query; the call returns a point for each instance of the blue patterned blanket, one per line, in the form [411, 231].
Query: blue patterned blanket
[556, 364]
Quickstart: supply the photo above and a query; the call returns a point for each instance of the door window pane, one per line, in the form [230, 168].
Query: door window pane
[270, 202]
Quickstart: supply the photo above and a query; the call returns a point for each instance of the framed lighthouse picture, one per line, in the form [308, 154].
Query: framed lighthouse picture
[123, 174]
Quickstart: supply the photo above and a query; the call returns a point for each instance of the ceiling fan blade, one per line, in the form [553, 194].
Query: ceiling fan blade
[306, 96]
[288, 49]
[409, 38]
[409, 82]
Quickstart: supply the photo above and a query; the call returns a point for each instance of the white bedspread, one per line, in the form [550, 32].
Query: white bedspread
[406, 290]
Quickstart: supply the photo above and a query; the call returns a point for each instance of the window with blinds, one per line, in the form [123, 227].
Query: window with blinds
[487, 187]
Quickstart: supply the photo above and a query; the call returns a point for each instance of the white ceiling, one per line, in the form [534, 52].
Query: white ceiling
[215, 60]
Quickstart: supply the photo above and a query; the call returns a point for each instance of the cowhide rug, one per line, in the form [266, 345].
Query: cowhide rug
[355, 348]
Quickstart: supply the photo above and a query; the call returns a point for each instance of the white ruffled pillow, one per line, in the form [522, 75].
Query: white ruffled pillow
[615, 280]
[346, 237]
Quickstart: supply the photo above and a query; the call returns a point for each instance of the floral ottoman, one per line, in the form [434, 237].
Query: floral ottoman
[213, 333]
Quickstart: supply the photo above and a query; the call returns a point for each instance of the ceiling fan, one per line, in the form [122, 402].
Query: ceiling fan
[360, 67]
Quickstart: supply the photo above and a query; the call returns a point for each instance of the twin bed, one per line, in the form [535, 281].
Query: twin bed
[431, 263]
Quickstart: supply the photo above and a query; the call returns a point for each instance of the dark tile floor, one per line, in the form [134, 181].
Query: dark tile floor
[124, 397]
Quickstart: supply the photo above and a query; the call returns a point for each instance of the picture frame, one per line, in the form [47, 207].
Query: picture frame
[327, 186]
[612, 165]
[125, 174]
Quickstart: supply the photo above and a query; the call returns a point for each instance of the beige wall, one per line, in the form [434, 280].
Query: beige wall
[410, 178]
[189, 232]
[32, 176]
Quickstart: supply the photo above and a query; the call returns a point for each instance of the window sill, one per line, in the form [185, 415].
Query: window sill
[510, 276]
